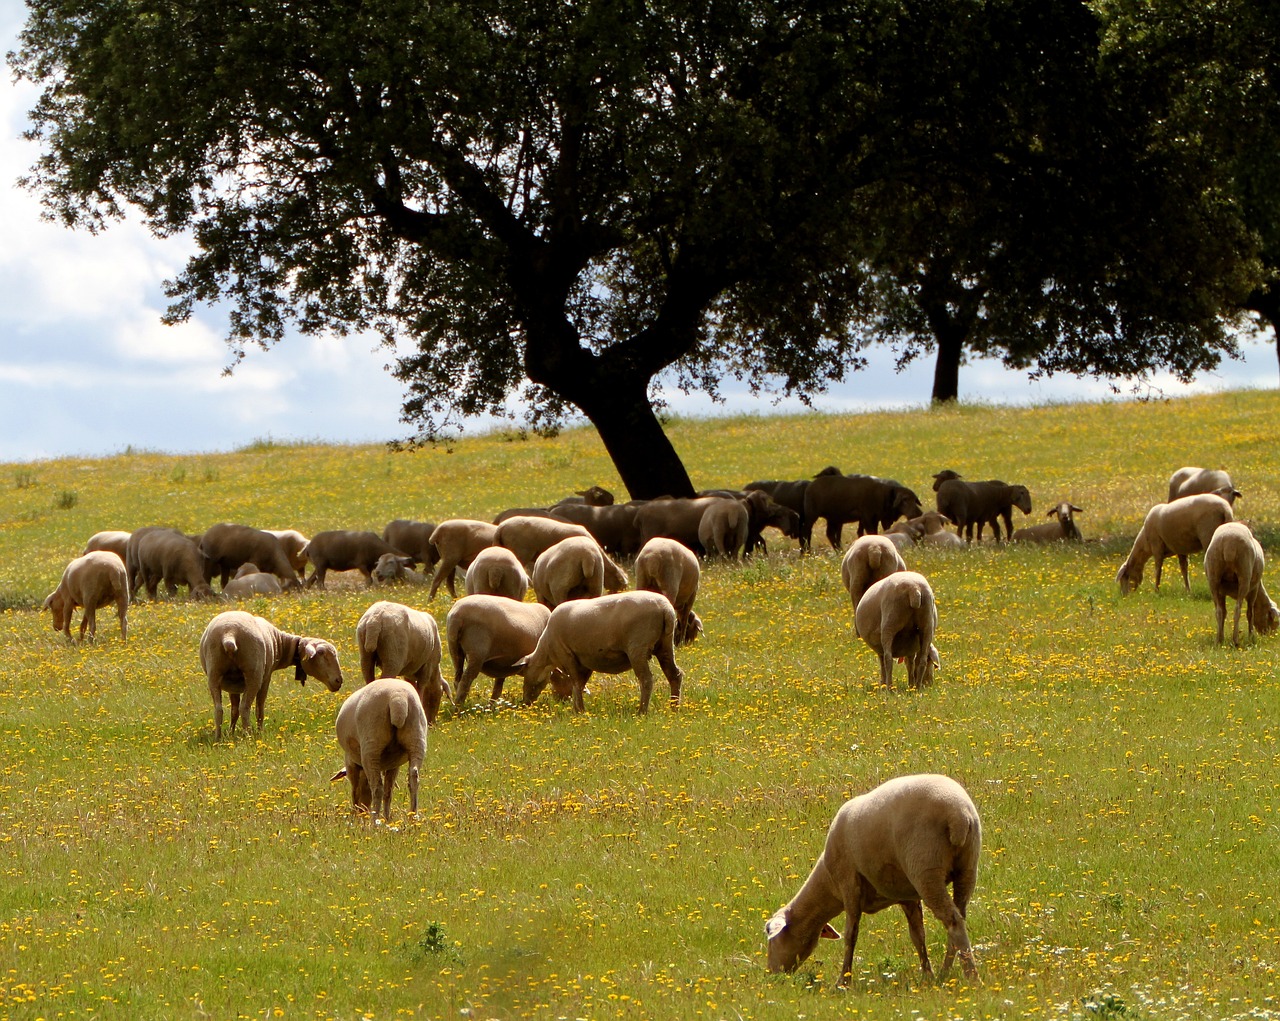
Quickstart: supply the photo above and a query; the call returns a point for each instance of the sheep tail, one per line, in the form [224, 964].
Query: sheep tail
[916, 598]
[369, 638]
[229, 644]
[398, 712]
[959, 830]
[873, 557]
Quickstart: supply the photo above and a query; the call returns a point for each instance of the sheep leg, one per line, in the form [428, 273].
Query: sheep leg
[414, 771]
[235, 710]
[89, 620]
[886, 663]
[216, 693]
[944, 909]
[833, 532]
[852, 918]
[1182, 566]
[1235, 627]
[672, 672]
[580, 679]
[374, 777]
[443, 569]
[122, 611]
[915, 929]
[388, 785]
[1220, 612]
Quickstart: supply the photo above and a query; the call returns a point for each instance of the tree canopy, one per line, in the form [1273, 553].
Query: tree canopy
[555, 203]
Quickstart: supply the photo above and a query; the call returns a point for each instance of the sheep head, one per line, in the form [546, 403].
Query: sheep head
[788, 947]
[318, 659]
[57, 602]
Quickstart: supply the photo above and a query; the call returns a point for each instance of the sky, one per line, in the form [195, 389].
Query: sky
[88, 369]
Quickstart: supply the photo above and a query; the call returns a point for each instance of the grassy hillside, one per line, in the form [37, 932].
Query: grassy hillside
[608, 865]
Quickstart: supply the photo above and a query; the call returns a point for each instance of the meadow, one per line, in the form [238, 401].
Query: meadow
[607, 865]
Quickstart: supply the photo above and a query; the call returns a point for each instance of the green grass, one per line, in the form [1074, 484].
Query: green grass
[607, 865]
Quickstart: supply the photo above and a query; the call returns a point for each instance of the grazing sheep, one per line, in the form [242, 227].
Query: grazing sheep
[842, 499]
[979, 503]
[897, 618]
[413, 539]
[1061, 529]
[528, 537]
[1233, 563]
[1190, 481]
[252, 583]
[392, 569]
[1173, 529]
[677, 519]
[788, 494]
[901, 843]
[112, 542]
[670, 567]
[496, 571]
[342, 549]
[295, 547]
[154, 554]
[239, 652]
[870, 558]
[380, 728]
[611, 634]
[723, 528]
[227, 548]
[93, 581]
[458, 540]
[612, 526]
[573, 568]
[490, 635]
[402, 642]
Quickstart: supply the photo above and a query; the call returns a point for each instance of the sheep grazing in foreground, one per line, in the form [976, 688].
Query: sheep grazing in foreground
[573, 568]
[490, 635]
[93, 581]
[897, 618]
[403, 642]
[497, 571]
[239, 652]
[1179, 528]
[611, 634]
[1233, 563]
[901, 843]
[458, 540]
[380, 728]
[868, 559]
[528, 536]
[1061, 529]
[112, 542]
[671, 568]
[1191, 481]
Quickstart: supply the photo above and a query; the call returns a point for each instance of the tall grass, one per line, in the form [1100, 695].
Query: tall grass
[608, 865]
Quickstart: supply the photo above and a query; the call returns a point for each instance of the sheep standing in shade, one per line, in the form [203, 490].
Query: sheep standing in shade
[93, 581]
[1233, 564]
[1178, 528]
[901, 843]
[403, 642]
[870, 558]
[380, 728]
[897, 617]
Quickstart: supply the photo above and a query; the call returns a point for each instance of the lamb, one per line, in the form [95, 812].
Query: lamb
[979, 503]
[252, 583]
[723, 528]
[393, 569]
[380, 728]
[239, 652]
[402, 642]
[1184, 526]
[1190, 481]
[93, 581]
[490, 635]
[458, 540]
[112, 542]
[571, 569]
[1233, 564]
[1061, 529]
[870, 558]
[901, 843]
[669, 567]
[496, 571]
[610, 634]
[897, 617]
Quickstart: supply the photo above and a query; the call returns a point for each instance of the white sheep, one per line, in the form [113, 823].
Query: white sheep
[380, 728]
[458, 540]
[252, 583]
[1061, 529]
[295, 547]
[867, 560]
[528, 536]
[943, 540]
[113, 542]
[94, 581]
[1179, 528]
[572, 568]
[239, 652]
[723, 528]
[897, 617]
[667, 566]
[1190, 481]
[497, 571]
[402, 642]
[901, 843]
[394, 569]
[1233, 563]
[611, 634]
[490, 635]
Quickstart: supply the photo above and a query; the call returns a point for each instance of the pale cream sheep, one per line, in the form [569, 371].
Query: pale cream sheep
[239, 652]
[94, 581]
[528, 536]
[112, 542]
[901, 843]
[1061, 529]
[380, 728]
[1233, 563]
[403, 642]
[867, 560]
[943, 540]
[572, 568]
[1190, 481]
[497, 571]
[394, 569]
[902, 540]
[458, 540]
[490, 635]
[611, 634]
[252, 583]
[1179, 528]
[295, 547]
[671, 568]
[723, 528]
[897, 617]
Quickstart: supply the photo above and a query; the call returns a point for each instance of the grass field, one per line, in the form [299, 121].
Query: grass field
[1127, 769]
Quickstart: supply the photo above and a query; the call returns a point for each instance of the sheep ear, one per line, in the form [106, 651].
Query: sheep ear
[775, 925]
[829, 932]
[520, 665]
[305, 651]
[339, 775]
[48, 600]
[1075, 509]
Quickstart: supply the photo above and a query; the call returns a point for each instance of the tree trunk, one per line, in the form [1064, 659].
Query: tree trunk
[645, 458]
[1266, 302]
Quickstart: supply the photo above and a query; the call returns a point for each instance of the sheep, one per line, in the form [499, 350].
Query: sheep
[573, 568]
[402, 642]
[458, 540]
[1061, 529]
[674, 519]
[295, 547]
[901, 540]
[392, 569]
[112, 542]
[154, 554]
[413, 539]
[1190, 481]
[1184, 526]
[227, 547]
[870, 558]
[252, 583]
[612, 526]
[669, 567]
[901, 843]
[93, 581]
[593, 496]
[979, 503]
[723, 528]
[342, 549]
[943, 540]
[380, 728]
[490, 634]
[897, 617]
[527, 536]
[496, 571]
[1233, 563]
[870, 501]
[610, 634]
[240, 651]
